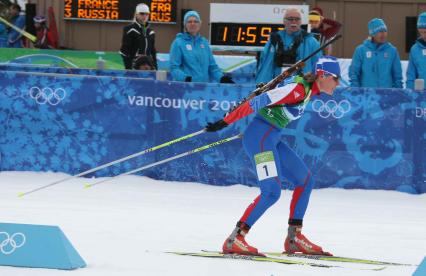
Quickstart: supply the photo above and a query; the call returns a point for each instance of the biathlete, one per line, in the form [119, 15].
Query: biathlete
[273, 159]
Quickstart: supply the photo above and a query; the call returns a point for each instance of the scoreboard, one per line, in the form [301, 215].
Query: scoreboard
[162, 11]
[247, 27]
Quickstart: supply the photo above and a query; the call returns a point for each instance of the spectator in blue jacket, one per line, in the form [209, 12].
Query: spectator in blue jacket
[376, 62]
[17, 19]
[286, 47]
[417, 61]
[3, 36]
[191, 58]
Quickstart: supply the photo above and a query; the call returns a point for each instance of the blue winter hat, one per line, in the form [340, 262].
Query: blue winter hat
[328, 65]
[189, 14]
[421, 23]
[376, 25]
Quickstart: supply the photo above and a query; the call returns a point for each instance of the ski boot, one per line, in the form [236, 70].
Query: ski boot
[236, 244]
[296, 242]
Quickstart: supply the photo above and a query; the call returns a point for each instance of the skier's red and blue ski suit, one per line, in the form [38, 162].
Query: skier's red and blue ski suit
[275, 161]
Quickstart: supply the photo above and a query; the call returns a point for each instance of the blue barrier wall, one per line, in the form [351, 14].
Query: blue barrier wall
[361, 138]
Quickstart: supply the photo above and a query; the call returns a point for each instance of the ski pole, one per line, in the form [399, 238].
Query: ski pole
[168, 159]
[114, 162]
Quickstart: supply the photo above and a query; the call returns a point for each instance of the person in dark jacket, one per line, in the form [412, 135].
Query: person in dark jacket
[138, 39]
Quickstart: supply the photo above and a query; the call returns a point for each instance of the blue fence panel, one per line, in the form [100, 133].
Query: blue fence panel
[360, 138]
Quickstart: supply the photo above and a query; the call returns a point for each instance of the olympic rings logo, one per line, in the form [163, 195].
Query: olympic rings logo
[47, 95]
[9, 244]
[331, 108]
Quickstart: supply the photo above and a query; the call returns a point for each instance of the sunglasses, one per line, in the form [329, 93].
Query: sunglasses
[144, 13]
[335, 77]
[293, 19]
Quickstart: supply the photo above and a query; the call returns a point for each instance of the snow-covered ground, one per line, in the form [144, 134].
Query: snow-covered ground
[122, 227]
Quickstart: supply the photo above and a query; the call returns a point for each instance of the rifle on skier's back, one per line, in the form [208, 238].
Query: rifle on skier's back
[294, 68]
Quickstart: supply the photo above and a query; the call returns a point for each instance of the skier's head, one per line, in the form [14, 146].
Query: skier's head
[192, 22]
[327, 71]
[378, 30]
[142, 13]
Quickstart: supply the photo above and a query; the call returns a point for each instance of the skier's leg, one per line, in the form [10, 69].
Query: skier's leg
[295, 171]
[262, 147]
[260, 141]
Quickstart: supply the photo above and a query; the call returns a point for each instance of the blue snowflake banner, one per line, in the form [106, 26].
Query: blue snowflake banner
[360, 138]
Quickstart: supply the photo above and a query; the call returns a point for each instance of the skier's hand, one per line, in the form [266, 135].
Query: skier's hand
[218, 125]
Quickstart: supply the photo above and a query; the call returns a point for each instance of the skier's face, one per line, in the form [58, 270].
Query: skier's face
[328, 84]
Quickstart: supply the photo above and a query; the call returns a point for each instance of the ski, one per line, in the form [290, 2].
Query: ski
[271, 259]
[325, 258]
[248, 257]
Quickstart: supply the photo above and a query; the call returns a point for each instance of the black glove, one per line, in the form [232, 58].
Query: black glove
[188, 79]
[218, 125]
[226, 79]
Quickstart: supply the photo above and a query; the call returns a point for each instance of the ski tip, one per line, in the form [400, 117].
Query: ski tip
[21, 194]
[87, 186]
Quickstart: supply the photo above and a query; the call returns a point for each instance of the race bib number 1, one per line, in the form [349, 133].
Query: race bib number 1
[265, 165]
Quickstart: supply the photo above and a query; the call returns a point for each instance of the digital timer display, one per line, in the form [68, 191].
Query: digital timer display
[242, 34]
[162, 11]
